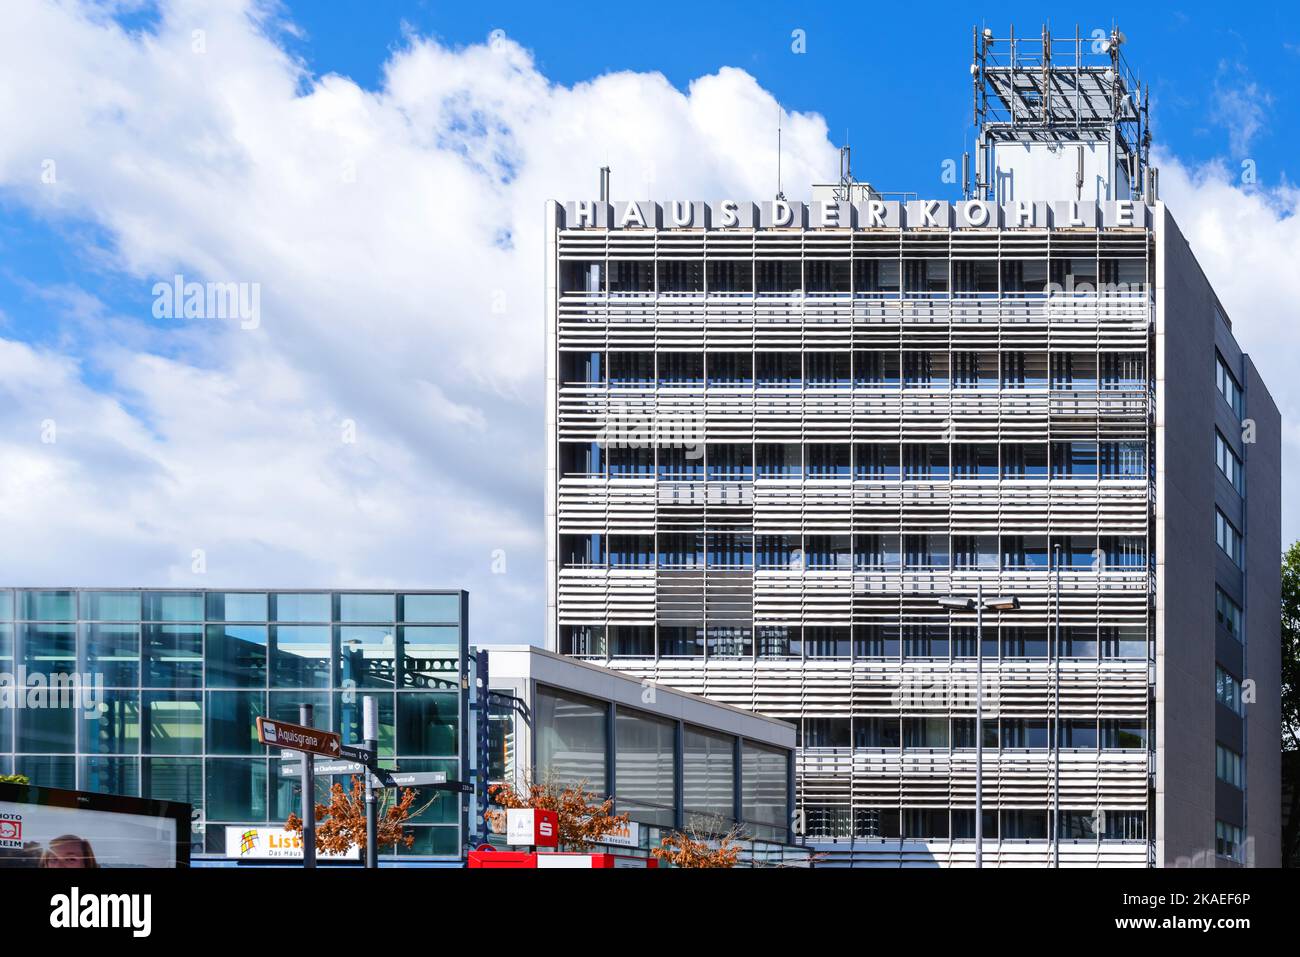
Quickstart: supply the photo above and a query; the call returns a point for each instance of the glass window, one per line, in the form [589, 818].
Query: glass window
[112, 651]
[173, 779]
[173, 656]
[708, 778]
[1228, 613]
[232, 722]
[236, 606]
[1228, 461]
[571, 739]
[430, 657]
[307, 606]
[236, 656]
[111, 775]
[300, 656]
[236, 790]
[826, 733]
[349, 714]
[49, 649]
[6, 603]
[765, 790]
[49, 605]
[645, 767]
[173, 606]
[436, 608]
[367, 607]
[1227, 841]
[428, 722]
[110, 606]
[49, 730]
[1228, 766]
[367, 656]
[173, 722]
[48, 772]
[1227, 536]
[113, 726]
[1227, 690]
[1227, 385]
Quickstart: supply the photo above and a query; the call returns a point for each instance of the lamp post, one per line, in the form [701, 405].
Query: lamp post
[978, 604]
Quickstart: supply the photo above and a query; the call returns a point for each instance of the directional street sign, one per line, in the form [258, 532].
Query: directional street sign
[399, 779]
[359, 755]
[297, 737]
[294, 767]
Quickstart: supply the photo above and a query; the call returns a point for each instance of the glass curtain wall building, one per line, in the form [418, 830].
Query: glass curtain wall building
[178, 677]
[780, 433]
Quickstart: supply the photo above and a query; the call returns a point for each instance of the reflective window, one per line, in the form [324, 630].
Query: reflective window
[364, 608]
[173, 722]
[173, 656]
[236, 790]
[49, 606]
[236, 606]
[430, 657]
[311, 607]
[110, 606]
[231, 719]
[645, 767]
[428, 722]
[435, 608]
[173, 606]
[236, 656]
[112, 651]
[571, 739]
[367, 656]
[115, 725]
[708, 779]
[300, 656]
[765, 790]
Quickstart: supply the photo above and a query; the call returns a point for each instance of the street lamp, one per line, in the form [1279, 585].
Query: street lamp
[978, 604]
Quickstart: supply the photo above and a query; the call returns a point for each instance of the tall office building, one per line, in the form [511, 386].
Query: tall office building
[920, 476]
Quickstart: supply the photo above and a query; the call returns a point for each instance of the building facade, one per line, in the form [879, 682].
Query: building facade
[175, 678]
[670, 760]
[784, 437]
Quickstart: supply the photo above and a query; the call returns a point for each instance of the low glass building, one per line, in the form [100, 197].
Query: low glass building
[174, 680]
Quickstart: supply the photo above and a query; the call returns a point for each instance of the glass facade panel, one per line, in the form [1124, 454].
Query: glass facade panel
[173, 722]
[236, 606]
[708, 779]
[571, 739]
[305, 607]
[367, 656]
[367, 608]
[765, 800]
[431, 608]
[173, 606]
[300, 656]
[112, 653]
[173, 656]
[184, 675]
[236, 656]
[110, 606]
[49, 606]
[645, 766]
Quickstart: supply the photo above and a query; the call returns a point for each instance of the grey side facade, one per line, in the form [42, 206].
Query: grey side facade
[1193, 334]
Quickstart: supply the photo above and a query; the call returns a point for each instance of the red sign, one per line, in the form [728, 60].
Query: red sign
[532, 826]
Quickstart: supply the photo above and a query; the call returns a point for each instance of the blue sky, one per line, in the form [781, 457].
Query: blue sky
[891, 75]
[359, 165]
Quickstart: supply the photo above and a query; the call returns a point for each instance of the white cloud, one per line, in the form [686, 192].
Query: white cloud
[397, 239]
[1247, 238]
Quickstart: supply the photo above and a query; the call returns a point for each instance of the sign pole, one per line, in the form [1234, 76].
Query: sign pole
[370, 731]
[308, 797]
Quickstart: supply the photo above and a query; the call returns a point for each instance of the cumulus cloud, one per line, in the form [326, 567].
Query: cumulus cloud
[395, 237]
[1246, 238]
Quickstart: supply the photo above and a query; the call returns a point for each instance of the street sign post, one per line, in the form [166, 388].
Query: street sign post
[364, 756]
[398, 779]
[294, 767]
[300, 737]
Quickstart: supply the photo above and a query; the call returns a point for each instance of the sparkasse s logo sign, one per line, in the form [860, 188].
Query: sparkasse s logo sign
[75, 910]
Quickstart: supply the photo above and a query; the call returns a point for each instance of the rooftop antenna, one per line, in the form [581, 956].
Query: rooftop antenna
[604, 184]
[780, 194]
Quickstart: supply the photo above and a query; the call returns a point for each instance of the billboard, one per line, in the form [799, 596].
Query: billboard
[54, 828]
[275, 844]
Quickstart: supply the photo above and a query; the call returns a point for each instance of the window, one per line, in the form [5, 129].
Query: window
[1228, 613]
[730, 276]
[1024, 277]
[926, 461]
[875, 368]
[765, 794]
[827, 368]
[1227, 690]
[1074, 460]
[777, 368]
[645, 766]
[779, 276]
[1227, 385]
[708, 778]
[1024, 460]
[726, 550]
[730, 368]
[876, 551]
[827, 275]
[730, 462]
[681, 369]
[1228, 537]
[974, 461]
[583, 278]
[875, 461]
[925, 277]
[1024, 370]
[1123, 460]
[826, 733]
[571, 739]
[828, 551]
[629, 369]
[1227, 841]
[779, 460]
[975, 370]
[925, 732]
[925, 551]
[829, 460]
[1024, 551]
[876, 277]
[1075, 371]
[925, 370]
[1123, 371]
[681, 275]
[629, 277]
[1228, 766]
[1227, 460]
[974, 277]
[1123, 735]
